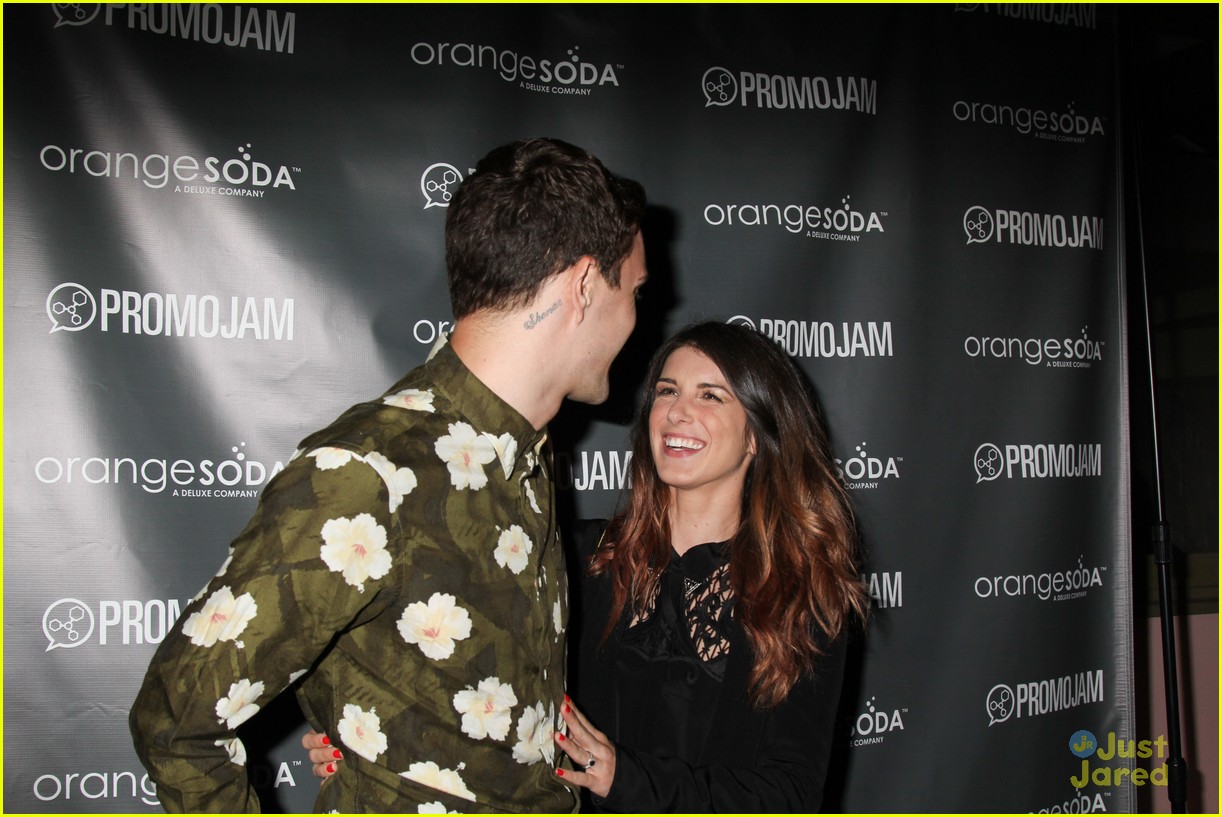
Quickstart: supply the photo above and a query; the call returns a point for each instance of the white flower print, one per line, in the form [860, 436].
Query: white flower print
[357, 548]
[465, 454]
[235, 748]
[513, 548]
[530, 496]
[399, 481]
[434, 627]
[486, 711]
[293, 676]
[557, 619]
[361, 731]
[413, 399]
[428, 773]
[239, 706]
[535, 728]
[329, 458]
[223, 618]
[225, 566]
[435, 807]
[506, 447]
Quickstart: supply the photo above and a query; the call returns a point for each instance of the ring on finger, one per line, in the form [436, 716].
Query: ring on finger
[590, 763]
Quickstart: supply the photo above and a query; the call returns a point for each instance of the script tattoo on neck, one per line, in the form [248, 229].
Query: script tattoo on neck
[538, 317]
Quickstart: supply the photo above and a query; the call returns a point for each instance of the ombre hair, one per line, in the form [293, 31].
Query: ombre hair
[793, 560]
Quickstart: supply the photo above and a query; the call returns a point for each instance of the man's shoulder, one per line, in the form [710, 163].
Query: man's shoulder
[407, 418]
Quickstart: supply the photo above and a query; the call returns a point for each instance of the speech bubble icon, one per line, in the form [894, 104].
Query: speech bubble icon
[67, 623]
[438, 183]
[71, 307]
[75, 14]
[978, 224]
[988, 462]
[999, 704]
[719, 87]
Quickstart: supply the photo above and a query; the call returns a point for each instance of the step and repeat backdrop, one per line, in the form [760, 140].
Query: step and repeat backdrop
[223, 225]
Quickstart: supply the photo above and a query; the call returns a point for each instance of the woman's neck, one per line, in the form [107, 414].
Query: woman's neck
[695, 520]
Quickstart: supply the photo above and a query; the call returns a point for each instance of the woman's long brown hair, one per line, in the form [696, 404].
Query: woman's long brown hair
[793, 561]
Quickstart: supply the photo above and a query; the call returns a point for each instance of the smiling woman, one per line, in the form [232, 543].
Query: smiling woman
[698, 433]
[716, 610]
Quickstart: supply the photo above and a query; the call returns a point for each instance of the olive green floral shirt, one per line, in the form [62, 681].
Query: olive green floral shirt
[406, 569]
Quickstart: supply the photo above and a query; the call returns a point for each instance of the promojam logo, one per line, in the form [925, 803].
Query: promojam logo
[594, 470]
[1065, 126]
[1077, 15]
[1038, 461]
[439, 182]
[1036, 698]
[840, 223]
[886, 589]
[1056, 353]
[1061, 585]
[723, 87]
[1082, 744]
[69, 623]
[824, 338]
[217, 24]
[72, 307]
[241, 177]
[873, 725]
[568, 75]
[862, 471]
[234, 478]
[1032, 229]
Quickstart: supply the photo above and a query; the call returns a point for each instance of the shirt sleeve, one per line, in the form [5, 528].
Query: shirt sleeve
[311, 561]
[787, 776]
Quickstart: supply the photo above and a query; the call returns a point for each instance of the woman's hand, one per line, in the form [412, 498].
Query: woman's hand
[592, 753]
[323, 755]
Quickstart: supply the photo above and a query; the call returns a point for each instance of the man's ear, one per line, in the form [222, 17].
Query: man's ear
[580, 281]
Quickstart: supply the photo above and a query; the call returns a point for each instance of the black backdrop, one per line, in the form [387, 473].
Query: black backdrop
[223, 225]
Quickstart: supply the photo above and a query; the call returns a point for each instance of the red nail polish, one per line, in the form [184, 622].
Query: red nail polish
[567, 699]
[566, 708]
[560, 737]
[330, 768]
[560, 772]
[326, 741]
[336, 754]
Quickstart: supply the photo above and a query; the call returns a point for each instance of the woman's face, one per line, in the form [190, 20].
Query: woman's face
[697, 427]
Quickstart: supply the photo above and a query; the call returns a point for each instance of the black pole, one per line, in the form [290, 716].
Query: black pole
[1163, 550]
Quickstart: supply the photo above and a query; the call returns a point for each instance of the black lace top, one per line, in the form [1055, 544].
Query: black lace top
[673, 654]
[669, 685]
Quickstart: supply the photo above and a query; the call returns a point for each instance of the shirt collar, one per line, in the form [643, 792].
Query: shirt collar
[512, 436]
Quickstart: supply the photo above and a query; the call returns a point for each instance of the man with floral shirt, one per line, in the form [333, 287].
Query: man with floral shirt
[405, 566]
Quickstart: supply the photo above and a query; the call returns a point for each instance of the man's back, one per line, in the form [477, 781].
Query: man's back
[410, 550]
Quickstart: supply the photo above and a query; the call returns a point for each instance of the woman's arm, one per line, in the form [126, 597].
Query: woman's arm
[786, 773]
